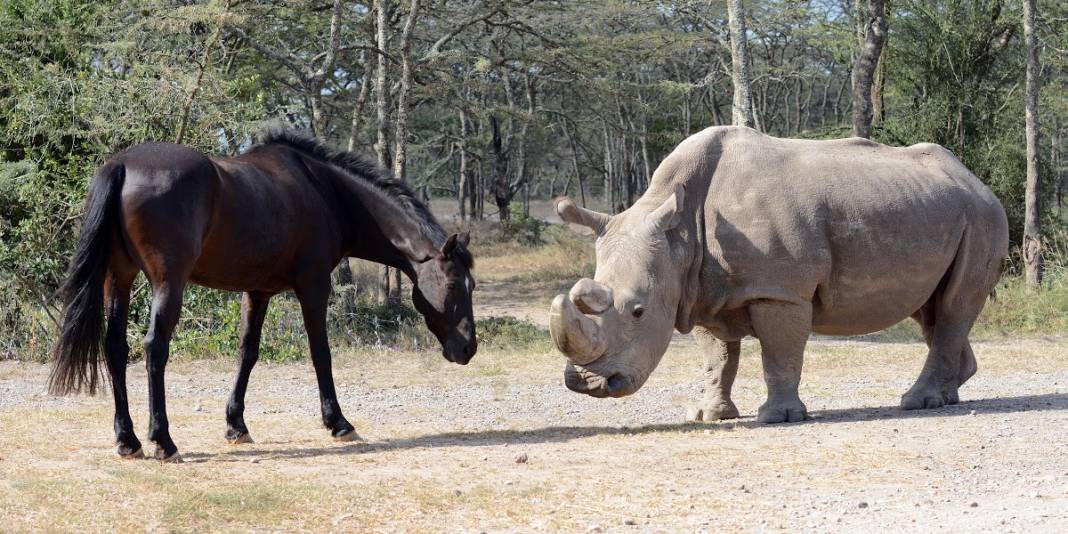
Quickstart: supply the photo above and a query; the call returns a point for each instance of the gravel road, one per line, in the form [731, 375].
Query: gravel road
[441, 444]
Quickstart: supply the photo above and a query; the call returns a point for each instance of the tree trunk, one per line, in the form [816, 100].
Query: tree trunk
[864, 67]
[742, 108]
[361, 101]
[205, 63]
[500, 187]
[575, 162]
[400, 132]
[382, 104]
[463, 186]
[878, 113]
[382, 84]
[1056, 163]
[609, 183]
[1032, 237]
[714, 104]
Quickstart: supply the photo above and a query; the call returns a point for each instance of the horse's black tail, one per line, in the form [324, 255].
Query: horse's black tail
[77, 354]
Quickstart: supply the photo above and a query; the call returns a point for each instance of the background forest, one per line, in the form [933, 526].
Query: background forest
[489, 105]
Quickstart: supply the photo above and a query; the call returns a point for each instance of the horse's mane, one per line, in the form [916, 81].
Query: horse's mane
[356, 166]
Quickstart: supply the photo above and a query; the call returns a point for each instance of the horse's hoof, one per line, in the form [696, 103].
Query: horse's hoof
[172, 459]
[134, 455]
[243, 438]
[349, 435]
[162, 456]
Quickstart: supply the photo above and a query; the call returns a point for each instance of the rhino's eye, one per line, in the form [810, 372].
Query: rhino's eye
[638, 311]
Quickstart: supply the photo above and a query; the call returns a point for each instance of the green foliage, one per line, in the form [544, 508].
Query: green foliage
[511, 333]
[211, 323]
[522, 227]
[80, 81]
[375, 324]
[954, 72]
[1020, 310]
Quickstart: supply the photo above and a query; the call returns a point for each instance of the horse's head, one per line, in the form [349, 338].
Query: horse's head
[442, 294]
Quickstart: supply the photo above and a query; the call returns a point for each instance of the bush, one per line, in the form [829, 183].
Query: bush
[1020, 310]
[211, 327]
[522, 227]
[511, 333]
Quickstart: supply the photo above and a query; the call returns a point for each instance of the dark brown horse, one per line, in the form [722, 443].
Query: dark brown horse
[274, 219]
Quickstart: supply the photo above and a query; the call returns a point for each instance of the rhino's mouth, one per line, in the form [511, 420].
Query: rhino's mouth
[582, 380]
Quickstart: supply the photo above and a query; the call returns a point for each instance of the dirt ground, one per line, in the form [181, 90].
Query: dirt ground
[501, 445]
[442, 446]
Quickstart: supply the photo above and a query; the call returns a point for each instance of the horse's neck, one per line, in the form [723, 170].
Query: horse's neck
[381, 231]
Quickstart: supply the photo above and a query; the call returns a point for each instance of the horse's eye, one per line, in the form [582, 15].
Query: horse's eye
[638, 311]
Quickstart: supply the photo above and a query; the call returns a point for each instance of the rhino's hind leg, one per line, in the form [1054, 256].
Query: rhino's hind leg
[949, 363]
[783, 329]
[968, 365]
[939, 379]
[721, 366]
[947, 320]
[967, 368]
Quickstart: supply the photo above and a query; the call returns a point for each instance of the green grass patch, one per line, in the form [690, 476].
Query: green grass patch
[1021, 310]
[234, 504]
[511, 333]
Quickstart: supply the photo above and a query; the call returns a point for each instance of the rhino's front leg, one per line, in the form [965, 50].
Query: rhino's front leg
[783, 329]
[721, 366]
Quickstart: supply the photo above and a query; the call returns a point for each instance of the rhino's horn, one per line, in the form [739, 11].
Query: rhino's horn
[576, 336]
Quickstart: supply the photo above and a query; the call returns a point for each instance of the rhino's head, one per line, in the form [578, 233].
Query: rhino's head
[615, 328]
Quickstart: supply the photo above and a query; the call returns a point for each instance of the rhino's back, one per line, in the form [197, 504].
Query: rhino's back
[863, 231]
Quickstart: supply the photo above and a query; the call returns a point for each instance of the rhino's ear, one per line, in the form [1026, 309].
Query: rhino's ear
[668, 215]
[571, 213]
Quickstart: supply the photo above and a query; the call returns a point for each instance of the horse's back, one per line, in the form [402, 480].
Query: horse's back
[269, 217]
[249, 223]
[167, 205]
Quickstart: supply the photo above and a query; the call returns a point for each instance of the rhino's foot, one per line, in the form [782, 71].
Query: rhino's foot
[715, 410]
[921, 400]
[782, 412]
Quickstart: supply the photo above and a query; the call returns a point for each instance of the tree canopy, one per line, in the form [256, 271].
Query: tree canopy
[510, 100]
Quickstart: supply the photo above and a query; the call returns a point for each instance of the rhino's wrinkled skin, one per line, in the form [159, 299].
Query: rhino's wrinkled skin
[744, 234]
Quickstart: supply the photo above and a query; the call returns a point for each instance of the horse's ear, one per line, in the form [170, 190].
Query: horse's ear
[451, 242]
[464, 238]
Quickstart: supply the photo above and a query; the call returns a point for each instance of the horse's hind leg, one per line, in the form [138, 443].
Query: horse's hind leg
[253, 311]
[117, 285]
[166, 307]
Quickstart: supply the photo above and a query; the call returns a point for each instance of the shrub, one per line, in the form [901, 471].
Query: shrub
[522, 227]
[511, 333]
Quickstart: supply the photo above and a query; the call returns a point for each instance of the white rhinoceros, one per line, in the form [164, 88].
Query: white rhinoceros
[745, 234]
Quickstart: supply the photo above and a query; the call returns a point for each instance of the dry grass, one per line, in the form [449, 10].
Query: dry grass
[439, 466]
[565, 255]
[418, 473]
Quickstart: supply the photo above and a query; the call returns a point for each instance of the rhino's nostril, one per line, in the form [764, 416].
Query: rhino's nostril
[619, 385]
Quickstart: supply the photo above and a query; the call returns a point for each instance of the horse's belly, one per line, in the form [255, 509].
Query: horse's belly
[243, 264]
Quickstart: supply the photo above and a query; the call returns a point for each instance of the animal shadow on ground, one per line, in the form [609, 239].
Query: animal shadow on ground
[555, 434]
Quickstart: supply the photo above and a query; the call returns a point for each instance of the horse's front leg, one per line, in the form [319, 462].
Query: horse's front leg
[313, 299]
[253, 311]
[166, 307]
